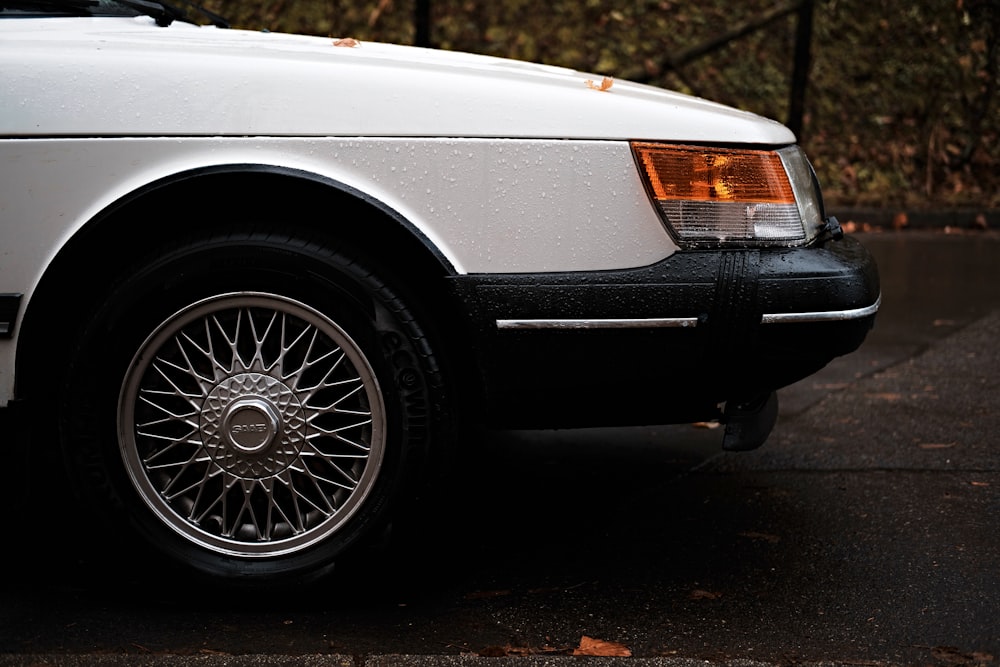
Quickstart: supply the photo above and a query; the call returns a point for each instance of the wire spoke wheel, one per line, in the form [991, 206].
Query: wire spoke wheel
[251, 425]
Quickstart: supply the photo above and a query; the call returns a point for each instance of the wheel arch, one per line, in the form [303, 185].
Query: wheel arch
[223, 197]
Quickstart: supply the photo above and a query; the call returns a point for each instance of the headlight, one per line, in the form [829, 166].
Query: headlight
[732, 197]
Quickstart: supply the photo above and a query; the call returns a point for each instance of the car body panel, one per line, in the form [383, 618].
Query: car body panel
[476, 201]
[189, 80]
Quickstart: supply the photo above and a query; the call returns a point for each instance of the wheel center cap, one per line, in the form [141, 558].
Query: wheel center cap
[250, 425]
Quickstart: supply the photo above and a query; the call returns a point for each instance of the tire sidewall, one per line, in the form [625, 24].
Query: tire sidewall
[337, 286]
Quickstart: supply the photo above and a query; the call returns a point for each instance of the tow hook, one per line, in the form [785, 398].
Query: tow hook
[748, 423]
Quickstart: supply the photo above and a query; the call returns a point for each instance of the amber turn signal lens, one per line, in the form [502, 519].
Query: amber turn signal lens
[715, 174]
[722, 196]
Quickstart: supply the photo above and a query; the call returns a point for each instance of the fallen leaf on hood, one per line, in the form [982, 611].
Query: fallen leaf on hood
[348, 42]
[599, 647]
[603, 86]
[937, 445]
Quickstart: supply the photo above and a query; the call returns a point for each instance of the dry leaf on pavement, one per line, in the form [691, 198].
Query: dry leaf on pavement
[599, 647]
[699, 594]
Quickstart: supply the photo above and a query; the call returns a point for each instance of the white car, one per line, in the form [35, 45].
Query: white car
[255, 283]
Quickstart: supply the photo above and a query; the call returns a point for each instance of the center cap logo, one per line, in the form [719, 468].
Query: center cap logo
[250, 425]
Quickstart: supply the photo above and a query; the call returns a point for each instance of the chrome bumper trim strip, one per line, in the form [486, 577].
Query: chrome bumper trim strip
[823, 315]
[685, 322]
[643, 323]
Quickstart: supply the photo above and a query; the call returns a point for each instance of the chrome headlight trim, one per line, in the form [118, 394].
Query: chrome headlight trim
[806, 189]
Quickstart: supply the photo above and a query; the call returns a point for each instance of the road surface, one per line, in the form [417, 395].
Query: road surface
[865, 532]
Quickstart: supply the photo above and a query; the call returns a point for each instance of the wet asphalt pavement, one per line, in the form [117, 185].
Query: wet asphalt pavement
[865, 532]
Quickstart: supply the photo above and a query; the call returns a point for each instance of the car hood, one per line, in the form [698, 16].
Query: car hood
[128, 76]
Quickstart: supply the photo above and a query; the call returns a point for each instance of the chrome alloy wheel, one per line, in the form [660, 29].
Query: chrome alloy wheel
[251, 425]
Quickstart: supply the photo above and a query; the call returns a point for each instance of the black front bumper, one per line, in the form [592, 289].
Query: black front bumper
[668, 342]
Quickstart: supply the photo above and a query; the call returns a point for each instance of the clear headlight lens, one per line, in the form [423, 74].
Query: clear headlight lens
[726, 196]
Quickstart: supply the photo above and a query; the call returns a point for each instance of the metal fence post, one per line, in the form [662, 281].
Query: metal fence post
[800, 73]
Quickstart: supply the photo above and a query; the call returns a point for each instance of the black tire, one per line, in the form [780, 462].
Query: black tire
[251, 404]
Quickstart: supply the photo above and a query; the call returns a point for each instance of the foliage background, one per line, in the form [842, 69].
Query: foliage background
[901, 107]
